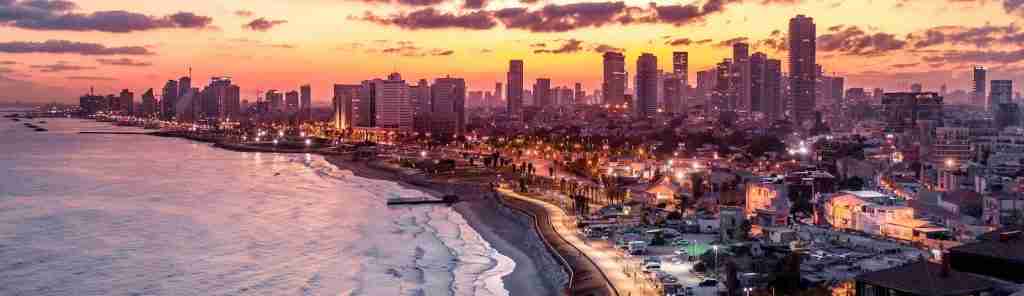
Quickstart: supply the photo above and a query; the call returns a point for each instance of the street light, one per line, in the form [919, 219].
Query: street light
[715, 247]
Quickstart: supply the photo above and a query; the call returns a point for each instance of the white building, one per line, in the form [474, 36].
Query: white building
[393, 108]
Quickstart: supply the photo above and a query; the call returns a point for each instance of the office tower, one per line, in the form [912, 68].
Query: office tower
[772, 100]
[497, 93]
[306, 102]
[123, 102]
[420, 97]
[542, 93]
[831, 90]
[706, 82]
[90, 104]
[671, 90]
[149, 107]
[346, 97]
[802, 67]
[741, 75]
[276, 100]
[722, 97]
[578, 94]
[185, 110]
[392, 107]
[291, 101]
[856, 95]
[184, 85]
[448, 105]
[978, 89]
[232, 102]
[681, 66]
[613, 87]
[515, 87]
[213, 99]
[646, 85]
[902, 111]
[757, 65]
[169, 99]
[1001, 92]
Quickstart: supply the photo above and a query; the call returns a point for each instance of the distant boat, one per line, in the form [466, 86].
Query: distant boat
[39, 129]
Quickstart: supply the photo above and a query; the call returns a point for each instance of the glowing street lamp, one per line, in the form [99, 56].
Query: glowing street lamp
[309, 142]
[275, 142]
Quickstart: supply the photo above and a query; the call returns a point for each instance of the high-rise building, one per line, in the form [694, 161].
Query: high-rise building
[346, 99]
[233, 102]
[902, 111]
[978, 89]
[149, 107]
[613, 87]
[646, 85]
[916, 87]
[542, 93]
[515, 87]
[448, 103]
[802, 67]
[124, 102]
[877, 94]
[497, 93]
[772, 101]
[420, 97]
[671, 90]
[757, 64]
[393, 109]
[681, 66]
[741, 76]
[706, 82]
[578, 94]
[169, 99]
[291, 101]
[306, 100]
[1001, 92]
[276, 100]
[723, 98]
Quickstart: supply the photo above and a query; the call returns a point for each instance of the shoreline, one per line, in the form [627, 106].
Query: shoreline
[505, 230]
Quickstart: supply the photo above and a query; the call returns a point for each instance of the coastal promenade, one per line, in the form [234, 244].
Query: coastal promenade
[587, 277]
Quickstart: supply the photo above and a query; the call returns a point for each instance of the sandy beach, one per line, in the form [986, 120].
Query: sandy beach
[510, 233]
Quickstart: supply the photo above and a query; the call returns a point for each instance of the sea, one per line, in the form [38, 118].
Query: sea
[98, 214]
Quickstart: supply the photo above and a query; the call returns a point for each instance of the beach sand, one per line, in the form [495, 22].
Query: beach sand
[507, 232]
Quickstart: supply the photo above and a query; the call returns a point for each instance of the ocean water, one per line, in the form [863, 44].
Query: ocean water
[139, 215]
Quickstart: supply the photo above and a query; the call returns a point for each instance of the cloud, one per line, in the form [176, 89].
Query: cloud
[568, 46]
[679, 42]
[123, 62]
[60, 67]
[430, 18]
[553, 17]
[977, 56]
[59, 15]
[408, 49]
[983, 36]
[907, 65]
[8, 63]
[258, 43]
[854, 41]
[730, 42]
[404, 2]
[70, 47]
[603, 48]
[1012, 6]
[262, 24]
[243, 13]
[474, 4]
[91, 78]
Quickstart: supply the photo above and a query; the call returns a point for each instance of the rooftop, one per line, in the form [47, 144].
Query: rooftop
[992, 245]
[925, 278]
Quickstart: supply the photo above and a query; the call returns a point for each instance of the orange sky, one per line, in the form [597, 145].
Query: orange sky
[322, 42]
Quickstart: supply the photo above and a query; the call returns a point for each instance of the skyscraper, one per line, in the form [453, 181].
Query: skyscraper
[741, 76]
[306, 98]
[233, 102]
[515, 87]
[613, 88]
[149, 107]
[802, 67]
[169, 99]
[757, 64]
[276, 100]
[420, 96]
[705, 87]
[393, 109]
[345, 104]
[498, 94]
[723, 98]
[1001, 93]
[291, 101]
[978, 89]
[681, 66]
[448, 103]
[772, 102]
[124, 102]
[646, 85]
[578, 94]
[671, 89]
[542, 93]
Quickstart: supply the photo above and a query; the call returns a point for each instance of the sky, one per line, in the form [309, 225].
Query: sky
[56, 50]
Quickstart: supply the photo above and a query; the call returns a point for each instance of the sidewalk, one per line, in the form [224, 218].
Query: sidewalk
[611, 264]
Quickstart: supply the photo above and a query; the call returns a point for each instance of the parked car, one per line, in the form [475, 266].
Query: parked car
[652, 266]
[708, 283]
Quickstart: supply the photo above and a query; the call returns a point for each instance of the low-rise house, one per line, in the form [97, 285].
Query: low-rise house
[998, 254]
[767, 203]
[924, 279]
[1003, 208]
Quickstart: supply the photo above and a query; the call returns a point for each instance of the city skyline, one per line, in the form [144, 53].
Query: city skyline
[111, 45]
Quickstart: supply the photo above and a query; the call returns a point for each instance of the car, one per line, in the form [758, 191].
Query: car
[708, 283]
[681, 252]
[652, 266]
[681, 242]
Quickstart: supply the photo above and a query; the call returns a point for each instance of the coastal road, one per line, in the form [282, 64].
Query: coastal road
[601, 262]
